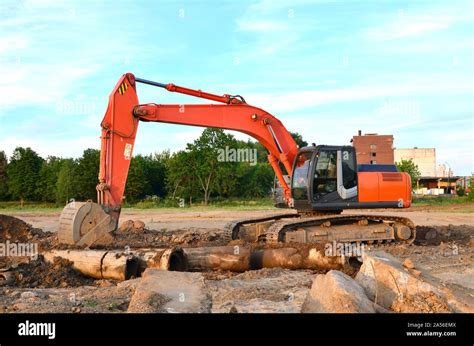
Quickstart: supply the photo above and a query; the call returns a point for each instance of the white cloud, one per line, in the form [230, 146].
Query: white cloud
[27, 84]
[294, 101]
[12, 43]
[404, 25]
[260, 26]
[405, 29]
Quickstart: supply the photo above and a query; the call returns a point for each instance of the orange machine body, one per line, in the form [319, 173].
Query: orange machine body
[384, 187]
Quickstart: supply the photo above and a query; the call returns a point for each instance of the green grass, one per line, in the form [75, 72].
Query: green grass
[15, 206]
[90, 303]
[441, 201]
[233, 203]
[214, 204]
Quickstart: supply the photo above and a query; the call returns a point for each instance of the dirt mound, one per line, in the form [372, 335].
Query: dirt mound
[19, 241]
[422, 303]
[163, 239]
[434, 235]
[16, 230]
[41, 274]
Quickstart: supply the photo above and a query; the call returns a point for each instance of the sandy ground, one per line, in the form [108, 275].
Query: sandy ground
[450, 257]
[183, 218]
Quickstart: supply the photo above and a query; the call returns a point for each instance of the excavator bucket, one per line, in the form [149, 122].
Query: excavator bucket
[84, 223]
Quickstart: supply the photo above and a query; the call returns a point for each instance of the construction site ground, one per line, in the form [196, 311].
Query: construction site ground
[56, 287]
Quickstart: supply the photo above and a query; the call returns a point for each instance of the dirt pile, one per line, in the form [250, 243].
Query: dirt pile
[426, 302]
[139, 237]
[16, 230]
[430, 235]
[41, 274]
[19, 241]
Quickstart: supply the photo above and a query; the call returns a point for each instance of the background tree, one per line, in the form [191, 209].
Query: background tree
[23, 174]
[66, 187]
[180, 179]
[48, 176]
[87, 174]
[411, 168]
[155, 171]
[137, 180]
[257, 181]
[203, 158]
[3, 176]
[299, 139]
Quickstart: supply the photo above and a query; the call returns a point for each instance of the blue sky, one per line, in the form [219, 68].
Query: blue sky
[325, 68]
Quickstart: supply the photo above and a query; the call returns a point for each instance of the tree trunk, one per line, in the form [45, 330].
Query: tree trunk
[98, 264]
[239, 259]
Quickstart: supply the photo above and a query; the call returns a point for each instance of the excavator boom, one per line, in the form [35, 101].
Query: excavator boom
[119, 130]
[120, 124]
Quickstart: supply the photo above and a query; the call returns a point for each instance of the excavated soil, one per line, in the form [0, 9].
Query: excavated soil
[41, 274]
[15, 230]
[160, 239]
[33, 271]
[431, 235]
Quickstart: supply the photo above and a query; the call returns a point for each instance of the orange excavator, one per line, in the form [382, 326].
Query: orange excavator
[319, 182]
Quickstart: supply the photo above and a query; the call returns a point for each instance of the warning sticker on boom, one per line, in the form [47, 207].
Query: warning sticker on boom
[122, 88]
[128, 151]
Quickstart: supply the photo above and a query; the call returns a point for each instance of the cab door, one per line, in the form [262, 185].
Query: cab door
[325, 173]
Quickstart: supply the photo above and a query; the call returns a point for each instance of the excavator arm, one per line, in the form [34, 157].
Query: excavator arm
[120, 123]
[119, 130]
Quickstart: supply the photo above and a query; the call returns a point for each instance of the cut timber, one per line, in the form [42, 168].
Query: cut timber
[292, 258]
[240, 259]
[164, 291]
[98, 264]
[387, 282]
[233, 258]
[164, 259]
[336, 292]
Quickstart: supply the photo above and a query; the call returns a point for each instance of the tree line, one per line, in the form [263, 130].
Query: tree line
[208, 168]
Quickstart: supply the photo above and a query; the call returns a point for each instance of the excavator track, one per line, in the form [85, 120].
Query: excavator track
[384, 231]
[371, 229]
[231, 229]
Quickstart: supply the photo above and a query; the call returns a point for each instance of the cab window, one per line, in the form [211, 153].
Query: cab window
[299, 182]
[325, 173]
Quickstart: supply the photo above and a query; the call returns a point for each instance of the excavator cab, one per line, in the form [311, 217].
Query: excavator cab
[324, 175]
[326, 178]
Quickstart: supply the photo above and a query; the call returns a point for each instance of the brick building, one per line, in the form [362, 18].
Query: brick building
[372, 148]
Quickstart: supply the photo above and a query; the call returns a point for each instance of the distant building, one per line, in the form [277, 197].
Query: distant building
[443, 170]
[372, 148]
[424, 158]
[434, 179]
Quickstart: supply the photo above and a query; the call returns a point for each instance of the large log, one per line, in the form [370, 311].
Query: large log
[98, 264]
[240, 259]
[233, 258]
[172, 259]
[120, 265]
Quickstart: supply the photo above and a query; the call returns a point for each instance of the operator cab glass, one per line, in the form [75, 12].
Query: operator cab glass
[325, 173]
[299, 184]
